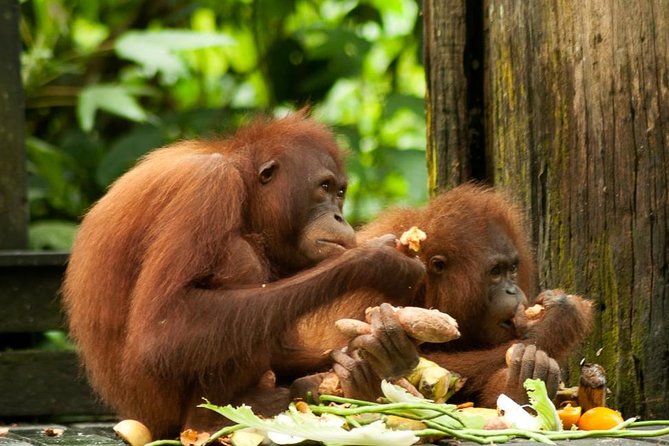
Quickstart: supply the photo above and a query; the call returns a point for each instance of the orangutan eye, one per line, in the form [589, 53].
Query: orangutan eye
[514, 268]
[438, 264]
[325, 185]
[341, 193]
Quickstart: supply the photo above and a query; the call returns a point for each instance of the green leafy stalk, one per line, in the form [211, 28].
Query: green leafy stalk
[548, 417]
[297, 426]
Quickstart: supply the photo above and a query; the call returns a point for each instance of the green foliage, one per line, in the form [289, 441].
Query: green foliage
[106, 82]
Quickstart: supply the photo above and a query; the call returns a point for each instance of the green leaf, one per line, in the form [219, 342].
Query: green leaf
[125, 151]
[243, 57]
[56, 340]
[546, 412]
[52, 234]
[398, 16]
[115, 99]
[158, 51]
[88, 35]
[52, 178]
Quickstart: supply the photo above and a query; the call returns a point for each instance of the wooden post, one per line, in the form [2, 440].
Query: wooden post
[578, 123]
[576, 101]
[448, 112]
[13, 201]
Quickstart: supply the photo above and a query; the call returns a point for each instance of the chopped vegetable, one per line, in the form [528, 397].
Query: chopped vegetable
[295, 426]
[548, 417]
[514, 414]
[339, 421]
[433, 381]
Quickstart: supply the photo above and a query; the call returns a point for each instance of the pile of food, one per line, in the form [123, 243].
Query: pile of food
[414, 408]
[404, 419]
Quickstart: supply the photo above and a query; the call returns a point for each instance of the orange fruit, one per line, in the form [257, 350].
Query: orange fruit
[599, 418]
[569, 415]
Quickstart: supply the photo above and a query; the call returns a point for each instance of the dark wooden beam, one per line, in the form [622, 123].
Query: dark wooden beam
[13, 200]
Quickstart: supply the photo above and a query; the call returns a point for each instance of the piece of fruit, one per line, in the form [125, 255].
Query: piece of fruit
[569, 415]
[599, 418]
[410, 240]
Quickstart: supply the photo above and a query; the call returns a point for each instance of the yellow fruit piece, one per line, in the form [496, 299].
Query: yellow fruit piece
[599, 418]
[569, 415]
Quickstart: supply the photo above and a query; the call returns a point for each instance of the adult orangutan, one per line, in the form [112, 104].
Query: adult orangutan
[479, 270]
[185, 276]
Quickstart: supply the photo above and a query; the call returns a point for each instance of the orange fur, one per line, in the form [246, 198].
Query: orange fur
[185, 276]
[463, 225]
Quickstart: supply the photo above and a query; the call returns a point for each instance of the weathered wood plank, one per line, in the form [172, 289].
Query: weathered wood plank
[13, 200]
[28, 292]
[43, 383]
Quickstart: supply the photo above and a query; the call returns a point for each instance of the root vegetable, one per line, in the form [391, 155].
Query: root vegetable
[353, 327]
[427, 325]
[421, 324]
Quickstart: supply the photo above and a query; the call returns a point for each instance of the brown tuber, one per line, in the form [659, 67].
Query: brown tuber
[421, 324]
[427, 325]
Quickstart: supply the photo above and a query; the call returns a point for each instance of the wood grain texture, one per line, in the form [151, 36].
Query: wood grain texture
[44, 383]
[13, 193]
[576, 103]
[577, 125]
[448, 160]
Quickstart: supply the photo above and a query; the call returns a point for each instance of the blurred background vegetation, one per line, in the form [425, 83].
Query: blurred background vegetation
[109, 80]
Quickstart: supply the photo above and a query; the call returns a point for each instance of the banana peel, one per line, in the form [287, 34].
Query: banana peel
[434, 382]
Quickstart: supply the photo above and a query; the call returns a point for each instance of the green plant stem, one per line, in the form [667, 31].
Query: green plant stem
[574, 435]
[342, 400]
[625, 424]
[227, 430]
[485, 436]
[650, 423]
[390, 408]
